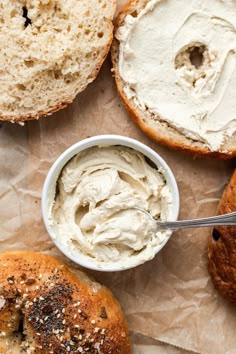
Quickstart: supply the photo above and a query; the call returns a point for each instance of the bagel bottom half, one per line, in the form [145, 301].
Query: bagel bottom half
[222, 247]
[46, 308]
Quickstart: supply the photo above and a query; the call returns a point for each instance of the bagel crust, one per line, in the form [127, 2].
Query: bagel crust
[153, 125]
[46, 308]
[222, 247]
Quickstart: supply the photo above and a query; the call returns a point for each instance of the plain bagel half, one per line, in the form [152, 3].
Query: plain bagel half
[174, 70]
[46, 308]
[50, 51]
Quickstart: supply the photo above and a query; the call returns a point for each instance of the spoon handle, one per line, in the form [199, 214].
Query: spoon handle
[226, 219]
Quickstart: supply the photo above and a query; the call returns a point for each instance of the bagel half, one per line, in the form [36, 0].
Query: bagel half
[50, 51]
[151, 123]
[222, 247]
[46, 308]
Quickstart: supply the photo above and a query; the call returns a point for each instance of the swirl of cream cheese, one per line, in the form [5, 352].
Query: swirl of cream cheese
[94, 210]
[159, 74]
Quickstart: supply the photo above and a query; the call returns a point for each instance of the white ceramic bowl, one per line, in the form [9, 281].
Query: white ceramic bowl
[49, 189]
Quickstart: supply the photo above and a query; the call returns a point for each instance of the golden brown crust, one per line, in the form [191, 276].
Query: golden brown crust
[59, 312]
[157, 131]
[222, 247]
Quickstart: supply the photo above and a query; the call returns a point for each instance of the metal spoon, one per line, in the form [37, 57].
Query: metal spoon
[220, 220]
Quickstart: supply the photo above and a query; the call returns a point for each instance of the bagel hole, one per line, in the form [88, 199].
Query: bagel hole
[215, 234]
[25, 15]
[191, 55]
[20, 329]
[21, 325]
[196, 55]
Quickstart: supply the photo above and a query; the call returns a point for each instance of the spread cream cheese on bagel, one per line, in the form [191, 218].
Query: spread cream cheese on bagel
[96, 208]
[177, 60]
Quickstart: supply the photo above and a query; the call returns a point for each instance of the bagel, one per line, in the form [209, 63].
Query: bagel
[46, 308]
[222, 247]
[50, 51]
[173, 64]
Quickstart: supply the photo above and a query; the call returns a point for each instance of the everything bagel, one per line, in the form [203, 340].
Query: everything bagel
[46, 308]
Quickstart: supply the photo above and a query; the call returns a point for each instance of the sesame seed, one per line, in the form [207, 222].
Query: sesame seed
[63, 310]
[64, 321]
[75, 316]
[40, 276]
[93, 321]
[79, 311]
[22, 282]
[59, 315]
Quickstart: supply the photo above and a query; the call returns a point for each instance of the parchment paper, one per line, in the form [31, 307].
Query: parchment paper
[169, 302]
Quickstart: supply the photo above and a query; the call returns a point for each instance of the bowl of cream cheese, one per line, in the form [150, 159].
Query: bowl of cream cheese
[96, 197]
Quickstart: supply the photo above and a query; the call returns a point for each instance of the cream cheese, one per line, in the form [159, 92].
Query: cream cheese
[156, 62]
[95, 208]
